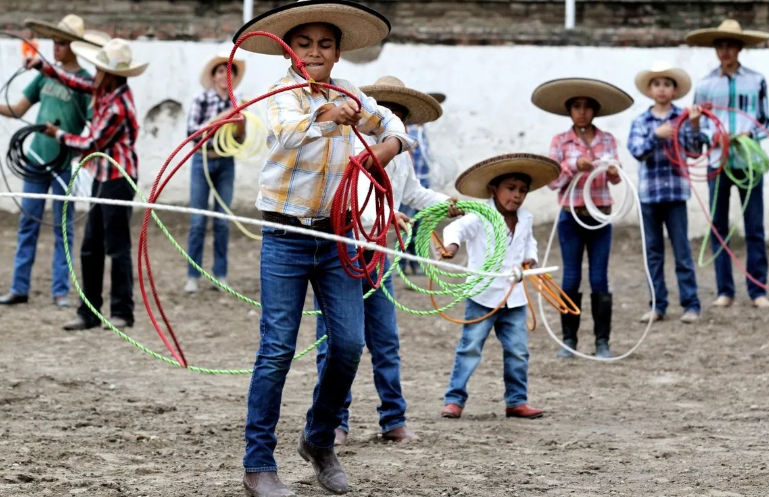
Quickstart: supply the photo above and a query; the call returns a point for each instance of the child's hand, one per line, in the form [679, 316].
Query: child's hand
[695, 112]
[584, 165]
[451, 251]
[665, 131]
[33, 63]
[346, 114]
[612, 172]
[454, 211]
[529, 264]
[403, 221]
[50, 130]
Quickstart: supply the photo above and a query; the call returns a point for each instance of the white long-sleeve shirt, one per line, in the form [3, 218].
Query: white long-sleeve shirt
[405, 187]
[470, 229]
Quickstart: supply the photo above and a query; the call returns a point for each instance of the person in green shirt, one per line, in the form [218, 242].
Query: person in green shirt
[70, 109]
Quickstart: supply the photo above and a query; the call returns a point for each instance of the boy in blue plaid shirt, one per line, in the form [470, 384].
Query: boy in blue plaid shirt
[662, 189]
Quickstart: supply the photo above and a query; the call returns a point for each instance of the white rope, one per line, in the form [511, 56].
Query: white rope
[515, 275]
[601, 166]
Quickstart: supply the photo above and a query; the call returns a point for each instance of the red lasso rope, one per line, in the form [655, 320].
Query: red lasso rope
[346, 194]
[678, 159]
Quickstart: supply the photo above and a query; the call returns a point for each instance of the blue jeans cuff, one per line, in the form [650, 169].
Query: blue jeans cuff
[393, 426]
[448, 401]
[261, 469]
[519, 404]
[316, 447]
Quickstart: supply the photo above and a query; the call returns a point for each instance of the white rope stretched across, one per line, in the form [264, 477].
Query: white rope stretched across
[630, 198]
[516, 275]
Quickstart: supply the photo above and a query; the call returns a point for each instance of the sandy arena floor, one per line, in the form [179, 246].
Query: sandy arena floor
[86, 413]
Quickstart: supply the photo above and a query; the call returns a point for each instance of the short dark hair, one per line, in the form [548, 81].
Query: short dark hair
[593, 103]
[337, 32]
[393, 107]
[729, 41]
[216, 67]
[519, 176]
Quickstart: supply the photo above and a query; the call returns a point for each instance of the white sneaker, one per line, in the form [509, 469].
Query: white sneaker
[723, 301]
[761, 302]
[191, 286]
[653, 315]
[690, 317]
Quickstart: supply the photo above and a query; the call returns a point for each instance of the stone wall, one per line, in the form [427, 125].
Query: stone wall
[452, 22]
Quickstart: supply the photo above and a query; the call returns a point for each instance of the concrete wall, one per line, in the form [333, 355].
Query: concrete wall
[488, 110]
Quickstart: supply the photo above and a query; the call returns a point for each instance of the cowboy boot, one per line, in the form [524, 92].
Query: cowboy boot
[602, 307]
[570, 327]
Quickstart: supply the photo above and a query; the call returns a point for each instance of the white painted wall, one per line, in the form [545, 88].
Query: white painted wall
[488, 110]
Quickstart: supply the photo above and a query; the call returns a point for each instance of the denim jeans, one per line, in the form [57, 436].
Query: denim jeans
[289, 262]
[222, 172]
[574, 239]
[29, 231]
[381, 332]
[108, 233]
[673, 216]
[411, 249]
[755, 241]
[510, 325]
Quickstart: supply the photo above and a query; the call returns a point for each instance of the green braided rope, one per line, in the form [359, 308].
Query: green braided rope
[757, 164]
[495, 234]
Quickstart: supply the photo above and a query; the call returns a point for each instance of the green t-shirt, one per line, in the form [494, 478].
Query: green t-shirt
[57, 103]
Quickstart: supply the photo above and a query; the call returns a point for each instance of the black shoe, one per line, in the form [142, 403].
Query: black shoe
[570, 327]
[601, 307]
[79, 323]
[566, 353]
[12, 299]
[327, 468]
[602, 349]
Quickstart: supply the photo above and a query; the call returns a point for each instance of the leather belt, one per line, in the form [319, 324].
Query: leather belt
[322, 224]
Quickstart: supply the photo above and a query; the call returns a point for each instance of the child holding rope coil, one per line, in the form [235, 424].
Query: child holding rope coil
[662, 189]
[576, 151]
[504, 181]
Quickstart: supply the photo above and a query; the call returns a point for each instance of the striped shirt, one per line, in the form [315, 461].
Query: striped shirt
[659, 179]
[746, 91]
[421, 155]
[114, 127]
[307, 158]
[565, 149]
[205, 107]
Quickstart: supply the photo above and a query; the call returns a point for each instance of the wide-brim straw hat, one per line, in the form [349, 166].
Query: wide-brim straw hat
[475, 181]
[729, 29]
[207, 79]
[422, 108]
[361, 26]
[115, 57]
[71, 28]
[553, 95]
[664, 69]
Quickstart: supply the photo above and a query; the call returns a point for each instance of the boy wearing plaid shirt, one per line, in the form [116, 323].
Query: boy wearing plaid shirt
[663, 191]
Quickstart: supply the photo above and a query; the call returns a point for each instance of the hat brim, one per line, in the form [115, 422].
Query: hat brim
[439, 97]
[682, 79]
[207, 80]
[475, 181]
[422, 107]
[706, 37]
[361, 26]
[553, 95]
[89, 51]
[48, 30]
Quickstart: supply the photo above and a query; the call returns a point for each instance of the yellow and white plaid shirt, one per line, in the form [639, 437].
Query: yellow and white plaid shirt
[307, 158]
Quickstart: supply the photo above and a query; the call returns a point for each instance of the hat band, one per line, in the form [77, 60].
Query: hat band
[101, 56]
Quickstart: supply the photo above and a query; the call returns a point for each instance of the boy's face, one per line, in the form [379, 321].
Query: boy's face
[728, 51]
[662, 90]
[220, 76]
[315, 44]
[61, 50]
[510, 194]
[581, 112]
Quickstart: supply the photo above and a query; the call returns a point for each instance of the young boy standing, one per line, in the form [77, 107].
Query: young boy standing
[504, 181]
[311, 138]
[663, 190]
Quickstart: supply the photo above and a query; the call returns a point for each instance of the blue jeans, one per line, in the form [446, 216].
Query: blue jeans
[510, 325]
[29, 231]
[673, 216]
[411, 249]
[381, 332]
[754, 237]
[288, 263]
[222, 172]
[574, 239]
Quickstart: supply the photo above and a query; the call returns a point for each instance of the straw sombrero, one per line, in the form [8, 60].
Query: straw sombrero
[71, 28]
[115, 57]
[729, 29]
[664, 69]
[422, 107]
[553, 95]
[475, 181]
[361, 26]
[206, 78]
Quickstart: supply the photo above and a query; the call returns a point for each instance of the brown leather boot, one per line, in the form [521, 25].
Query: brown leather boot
[265, 484]
[327, 468]
[400, 434]
[524, 411]
[340, 437]
[451, 411]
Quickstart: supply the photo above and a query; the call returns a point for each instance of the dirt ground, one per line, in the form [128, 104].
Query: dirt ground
[86, 413]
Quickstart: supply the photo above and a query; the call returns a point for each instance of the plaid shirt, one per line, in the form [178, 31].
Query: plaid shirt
[205, 107]
[565, 149]
[113, 127]
[659, 180]
[307, 158]
[746, 90]
[420, 155]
